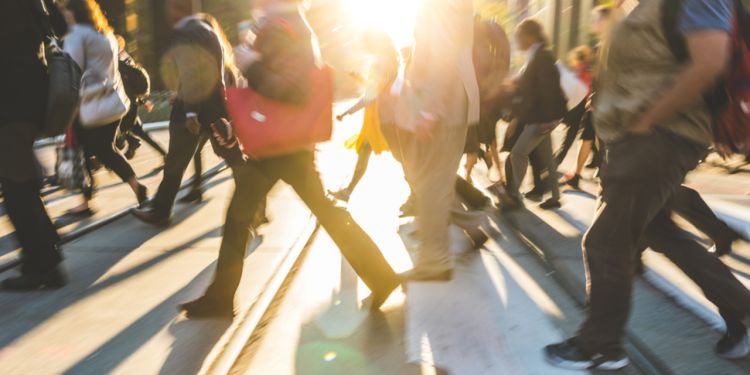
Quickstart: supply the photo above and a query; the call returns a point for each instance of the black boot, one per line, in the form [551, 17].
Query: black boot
[31, 281]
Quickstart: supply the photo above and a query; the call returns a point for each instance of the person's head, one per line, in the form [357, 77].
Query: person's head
[600, 19]
[529, 33]
[177, 10]
[87, 12]
[580, 57]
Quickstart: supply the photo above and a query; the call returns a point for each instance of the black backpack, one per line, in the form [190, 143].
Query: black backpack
[135, 79]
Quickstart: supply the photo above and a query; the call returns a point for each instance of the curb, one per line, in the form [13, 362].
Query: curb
[642, 357]
[228, 349]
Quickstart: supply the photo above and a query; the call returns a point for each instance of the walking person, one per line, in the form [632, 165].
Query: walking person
[199, 64]
[439, 101]
[137, 84]
[492, 64]
[23, 104]
[283, 54]
[538, 106]
[92, 44]
[377, 103]
[657, 127]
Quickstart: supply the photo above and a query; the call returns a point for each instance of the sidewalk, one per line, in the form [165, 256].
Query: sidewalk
[493, 318]
[119, 312]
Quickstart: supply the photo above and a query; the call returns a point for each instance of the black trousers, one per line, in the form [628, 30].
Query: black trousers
[100, 143]
[132, 126]
[253, 181]
[639, 182]
[689, 204]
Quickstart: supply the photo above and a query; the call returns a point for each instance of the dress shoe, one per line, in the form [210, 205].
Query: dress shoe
[34, 281]
[418, 275]
[207, 308]
[574, 181]
[151, 216]
[551, 204]
[193, 196]
[512, 204]
[378, 297]
[724, 246]
[534, 194]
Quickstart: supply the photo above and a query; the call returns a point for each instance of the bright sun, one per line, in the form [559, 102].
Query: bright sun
[396, 17]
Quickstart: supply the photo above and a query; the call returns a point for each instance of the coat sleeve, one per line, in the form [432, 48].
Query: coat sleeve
[75, 46]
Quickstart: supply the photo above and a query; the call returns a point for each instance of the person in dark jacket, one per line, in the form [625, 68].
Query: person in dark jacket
[538, 107]
[195, 67]
[282, 56]
[23, 100]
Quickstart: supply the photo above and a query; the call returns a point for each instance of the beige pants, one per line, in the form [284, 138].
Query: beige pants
[430, 167]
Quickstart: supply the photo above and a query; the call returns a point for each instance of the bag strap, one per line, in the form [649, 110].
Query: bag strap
[670, 17]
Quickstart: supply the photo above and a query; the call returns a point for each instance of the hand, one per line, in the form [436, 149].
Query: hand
[723, 150]
[340, 117]
[245, 57]
[193, 125]
[424, 128]
[149, 105]
[510, 86]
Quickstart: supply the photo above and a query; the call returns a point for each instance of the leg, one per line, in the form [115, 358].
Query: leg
[363, 159]
[519, 158]
[298, 170]
[251, 187]
[708, 272]
[549, 173]
[430, 168]
[470, 195]
[143, 134]
[182, 147]
[690, 205]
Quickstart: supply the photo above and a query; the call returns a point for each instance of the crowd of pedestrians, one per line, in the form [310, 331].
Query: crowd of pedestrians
[644, 118]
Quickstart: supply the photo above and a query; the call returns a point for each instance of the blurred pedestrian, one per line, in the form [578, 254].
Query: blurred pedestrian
[92, 44]
[277, 67]
[376, 102]
[538, 106]
[23, 104]
[137, 84]
[197, 66]
[438, 103]
[492, 64]
[657, 126]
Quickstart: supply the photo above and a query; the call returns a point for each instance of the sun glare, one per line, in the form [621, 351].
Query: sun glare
[395, 17]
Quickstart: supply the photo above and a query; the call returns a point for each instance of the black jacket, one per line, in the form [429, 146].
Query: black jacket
[23, 74]
[539, 98]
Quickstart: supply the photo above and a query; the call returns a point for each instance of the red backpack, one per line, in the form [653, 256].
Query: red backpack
[729, 101]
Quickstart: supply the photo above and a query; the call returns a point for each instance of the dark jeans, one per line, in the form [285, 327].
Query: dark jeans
[34, 229]
[639, 182]
[182, 147]
[100, 143]
[253, 181]
[689, 204]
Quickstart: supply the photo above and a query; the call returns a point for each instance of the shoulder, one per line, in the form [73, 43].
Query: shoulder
[700, 15]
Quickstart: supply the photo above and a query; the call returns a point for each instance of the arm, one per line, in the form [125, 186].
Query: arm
[710, 55]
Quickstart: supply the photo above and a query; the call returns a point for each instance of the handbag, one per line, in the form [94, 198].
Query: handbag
[102, 101]
[64, 80]
[70, 168]
[267, 127]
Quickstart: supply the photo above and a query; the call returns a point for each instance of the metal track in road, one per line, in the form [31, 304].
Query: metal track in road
[641, 356]
[76, 234]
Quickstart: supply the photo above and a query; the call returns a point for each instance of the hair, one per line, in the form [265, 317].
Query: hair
[88, 12]
[533, 29]
[226, 46]
[603, 11]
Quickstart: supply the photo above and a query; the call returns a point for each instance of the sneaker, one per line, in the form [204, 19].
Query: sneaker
[569, 356]
[733, 346]
[534, 194]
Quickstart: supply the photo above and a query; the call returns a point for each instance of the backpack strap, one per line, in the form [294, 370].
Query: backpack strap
[670, 17]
